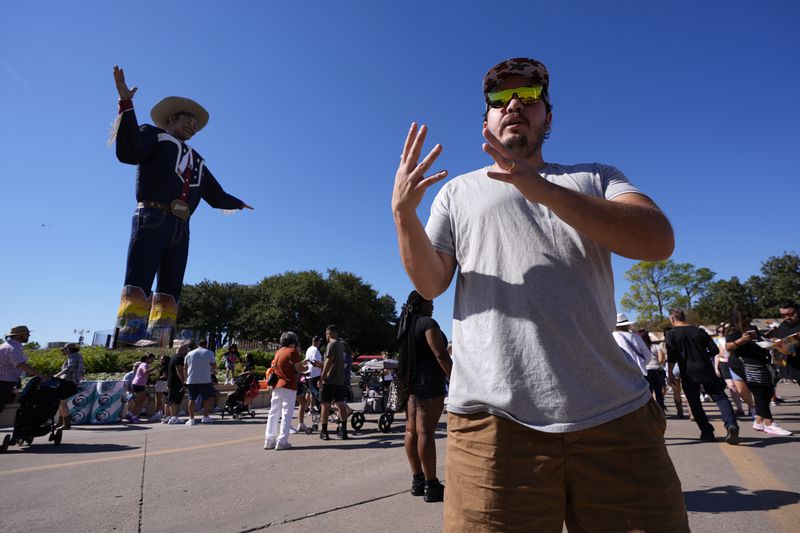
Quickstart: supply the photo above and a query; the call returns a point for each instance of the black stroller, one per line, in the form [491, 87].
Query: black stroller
[38, 405]
[235, 405]
[373, 394]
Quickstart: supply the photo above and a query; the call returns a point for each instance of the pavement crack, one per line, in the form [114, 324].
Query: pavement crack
[324, 512]
[141, 488]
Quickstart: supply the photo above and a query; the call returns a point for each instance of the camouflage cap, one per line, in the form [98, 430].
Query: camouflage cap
[518, 66]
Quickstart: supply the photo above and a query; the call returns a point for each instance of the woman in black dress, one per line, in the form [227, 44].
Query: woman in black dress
[424, 366]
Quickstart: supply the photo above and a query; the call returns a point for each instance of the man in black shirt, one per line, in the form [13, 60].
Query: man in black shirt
[171, 179]
[175, 385]
[692, 349]
[790, 311]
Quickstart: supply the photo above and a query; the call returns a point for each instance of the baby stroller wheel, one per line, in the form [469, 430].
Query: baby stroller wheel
[357, 421]
[385, 422]
[235, 416]
[314, 427]
[57, 437]
[310, 430]
[6, 442]
[252, 414]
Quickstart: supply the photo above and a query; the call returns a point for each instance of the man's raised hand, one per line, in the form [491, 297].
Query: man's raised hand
[122, 87]
[410, 181]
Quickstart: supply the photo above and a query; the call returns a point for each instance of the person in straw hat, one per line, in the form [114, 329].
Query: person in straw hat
[171, 180]
[13, 363]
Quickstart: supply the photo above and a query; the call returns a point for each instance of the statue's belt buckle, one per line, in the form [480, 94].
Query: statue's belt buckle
[180, 209]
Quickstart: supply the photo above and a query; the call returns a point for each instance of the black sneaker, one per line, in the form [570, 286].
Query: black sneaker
[434, 491]
[708, 437]
[733, 435]
[418, 485]
[323, 435]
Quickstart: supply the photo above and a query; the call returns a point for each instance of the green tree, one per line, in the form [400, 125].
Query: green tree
[306, 302]
[721, 297]
[212, 307]
[779, 282]
[690, 282]
[651, 292]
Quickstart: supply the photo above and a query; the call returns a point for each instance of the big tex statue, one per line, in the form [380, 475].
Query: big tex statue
[171, 179]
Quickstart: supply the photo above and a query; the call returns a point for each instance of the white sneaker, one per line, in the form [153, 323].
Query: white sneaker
[166, 419]
[775, 429]
[773, 404]
[174, 420]
[300, 429]
[191, 422]
[283, 446]
[758, 427]
[269, 444]
[206, 420]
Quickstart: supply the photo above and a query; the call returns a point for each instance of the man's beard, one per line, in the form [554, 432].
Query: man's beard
[525, 146]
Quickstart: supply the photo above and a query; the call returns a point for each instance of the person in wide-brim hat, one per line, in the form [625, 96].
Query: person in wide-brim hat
[18, 330]
[172, 105]
[622, 320]
[172, 179]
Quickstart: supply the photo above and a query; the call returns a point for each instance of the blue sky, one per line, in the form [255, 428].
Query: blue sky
[696, 102]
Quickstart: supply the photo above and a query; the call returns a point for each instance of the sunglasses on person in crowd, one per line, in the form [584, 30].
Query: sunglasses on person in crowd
[526, 95]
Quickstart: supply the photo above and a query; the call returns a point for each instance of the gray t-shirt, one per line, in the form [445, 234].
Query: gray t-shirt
[534, 305]
[335, 351]
[198, 366]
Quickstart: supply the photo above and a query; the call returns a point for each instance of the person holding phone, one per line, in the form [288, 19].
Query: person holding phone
[750, 360]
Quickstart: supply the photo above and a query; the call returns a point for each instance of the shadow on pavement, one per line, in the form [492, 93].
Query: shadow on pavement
[47, 448]
[747, 442]
[729, 498]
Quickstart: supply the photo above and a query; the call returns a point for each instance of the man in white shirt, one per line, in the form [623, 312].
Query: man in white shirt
[199, 365]
[314, 358]
[631, 343]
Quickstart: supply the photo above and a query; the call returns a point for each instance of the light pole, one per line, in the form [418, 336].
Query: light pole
[80, 333]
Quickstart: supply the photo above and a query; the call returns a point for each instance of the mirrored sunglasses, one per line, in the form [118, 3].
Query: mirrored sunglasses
[526, 95]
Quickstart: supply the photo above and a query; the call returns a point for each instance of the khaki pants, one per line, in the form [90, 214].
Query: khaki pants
[504, 477]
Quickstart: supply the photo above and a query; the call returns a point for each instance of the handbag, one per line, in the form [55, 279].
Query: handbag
[272, 379]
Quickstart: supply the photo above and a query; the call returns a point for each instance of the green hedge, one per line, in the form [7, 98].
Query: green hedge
[100, 360]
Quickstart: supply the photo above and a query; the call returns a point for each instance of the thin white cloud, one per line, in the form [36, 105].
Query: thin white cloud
[14, 73]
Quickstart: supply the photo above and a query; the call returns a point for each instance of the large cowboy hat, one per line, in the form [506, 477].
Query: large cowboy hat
[18, 330]
[172, 105]
[622, 320]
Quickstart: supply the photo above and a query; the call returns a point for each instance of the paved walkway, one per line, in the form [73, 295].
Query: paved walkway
[217, 477]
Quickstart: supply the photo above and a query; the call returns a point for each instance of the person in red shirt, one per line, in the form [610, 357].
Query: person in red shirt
[287, 365]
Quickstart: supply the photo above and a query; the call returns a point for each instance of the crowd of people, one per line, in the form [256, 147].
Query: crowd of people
[542, 406]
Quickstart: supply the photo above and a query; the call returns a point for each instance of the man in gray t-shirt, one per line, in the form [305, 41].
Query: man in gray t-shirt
[200, 364]
[535, 363]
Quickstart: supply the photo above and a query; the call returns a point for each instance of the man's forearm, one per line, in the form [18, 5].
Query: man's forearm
[426, 269]
[28, 369]
[632, 226]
